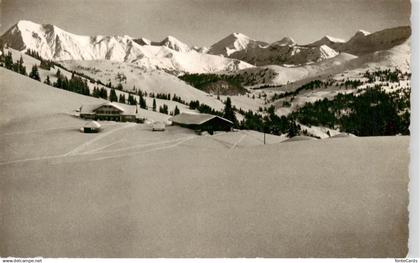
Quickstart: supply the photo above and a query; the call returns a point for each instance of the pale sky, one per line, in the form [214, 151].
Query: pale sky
[204, 22]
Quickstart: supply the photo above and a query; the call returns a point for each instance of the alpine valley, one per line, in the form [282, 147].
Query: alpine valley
[321, 87]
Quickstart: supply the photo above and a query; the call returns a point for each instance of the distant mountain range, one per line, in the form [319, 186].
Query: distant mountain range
[234, 52]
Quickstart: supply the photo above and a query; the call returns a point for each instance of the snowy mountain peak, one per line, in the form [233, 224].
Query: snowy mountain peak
[233, 43]
[285, 41]
[26, 24]
[333, 39]
[170, 54]
[239, 35]
[143, 41]
[329, 41]
[359, 34]
[175, 44]
[362, 32]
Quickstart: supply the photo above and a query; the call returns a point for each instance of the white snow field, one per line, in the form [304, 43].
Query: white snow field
[131, 192]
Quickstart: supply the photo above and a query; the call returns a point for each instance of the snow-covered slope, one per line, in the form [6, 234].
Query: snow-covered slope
[170, 54]
[233, 43]
[162, 58]
[131, 75]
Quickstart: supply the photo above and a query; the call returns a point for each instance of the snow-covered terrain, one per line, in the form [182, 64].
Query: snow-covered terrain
[131, 192]
[133, 76]
[158, 84]
[152, 66]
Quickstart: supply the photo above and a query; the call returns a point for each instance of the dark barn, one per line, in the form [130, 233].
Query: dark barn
[202, 122]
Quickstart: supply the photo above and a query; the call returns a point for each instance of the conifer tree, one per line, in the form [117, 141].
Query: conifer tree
[176, 111]
[121, 99]
[34, 73]
[47, 81]
[142, 101]
[8, 60]
[228, 112]
[21, 67]
[113, 96]
[154, 105]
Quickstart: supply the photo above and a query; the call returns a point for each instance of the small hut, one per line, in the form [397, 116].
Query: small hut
[202, 122]
[91, 127]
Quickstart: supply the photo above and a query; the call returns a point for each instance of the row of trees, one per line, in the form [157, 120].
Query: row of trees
[386, 75]
[7, 62]
[270, 123]
[204, 81]
[74, 84]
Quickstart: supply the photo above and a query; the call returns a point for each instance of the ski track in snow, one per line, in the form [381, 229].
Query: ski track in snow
[86, 144]
[103, 147]
[236, 143]
[135, 146]
[148, 151]
[175, 142]
[44, 130]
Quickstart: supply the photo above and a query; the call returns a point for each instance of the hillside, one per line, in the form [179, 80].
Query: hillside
[26, 103]
[132, 76]
[148, 200]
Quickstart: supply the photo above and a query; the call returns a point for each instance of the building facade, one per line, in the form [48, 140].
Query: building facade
[108, 112]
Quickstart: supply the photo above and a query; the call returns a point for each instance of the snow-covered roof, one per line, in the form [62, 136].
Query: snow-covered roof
[109, 104]
[91, 108]
[195, 119]
[92, 125]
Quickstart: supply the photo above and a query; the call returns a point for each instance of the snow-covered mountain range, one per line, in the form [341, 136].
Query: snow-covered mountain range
[234, 52]
[288, 52]
[169, 54]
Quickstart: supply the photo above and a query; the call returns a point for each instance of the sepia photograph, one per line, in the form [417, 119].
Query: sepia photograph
[205, 128]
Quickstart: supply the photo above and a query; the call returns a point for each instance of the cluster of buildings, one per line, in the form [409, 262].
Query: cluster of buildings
[108, 111]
